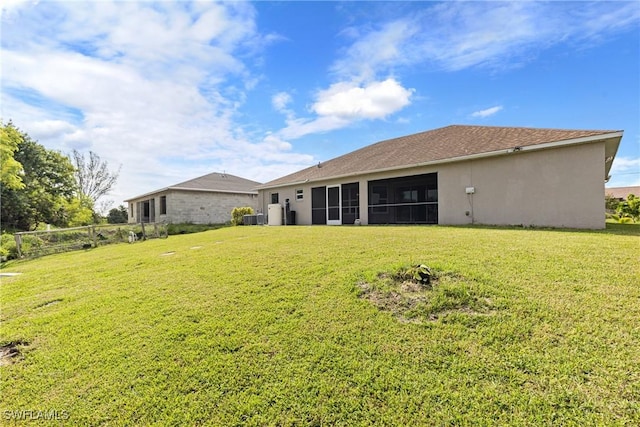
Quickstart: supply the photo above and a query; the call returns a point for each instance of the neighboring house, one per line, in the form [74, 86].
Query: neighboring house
[208, 199]
[621, 193]
[458, 175]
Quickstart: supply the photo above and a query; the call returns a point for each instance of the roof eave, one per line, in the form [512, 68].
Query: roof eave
[202, 190]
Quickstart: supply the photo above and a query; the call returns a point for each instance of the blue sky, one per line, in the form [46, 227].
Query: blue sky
[175, 90]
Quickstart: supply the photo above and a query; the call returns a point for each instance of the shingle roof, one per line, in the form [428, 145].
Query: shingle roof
[218, 182]
[447, 143]
[622, 192]
[213, 182]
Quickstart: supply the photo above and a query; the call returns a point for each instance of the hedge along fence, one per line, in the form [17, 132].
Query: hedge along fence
[31, 244]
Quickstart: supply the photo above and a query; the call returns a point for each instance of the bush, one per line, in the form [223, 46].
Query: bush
[238, 213]
[8, 248]
[619, 218]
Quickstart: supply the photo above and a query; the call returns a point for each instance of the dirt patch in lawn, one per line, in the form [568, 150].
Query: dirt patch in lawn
[446, 296]
[10, 352]
[49, 303]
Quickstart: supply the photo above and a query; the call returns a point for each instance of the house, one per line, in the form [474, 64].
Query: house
[621, 193]
[208, 199]
[458, 175]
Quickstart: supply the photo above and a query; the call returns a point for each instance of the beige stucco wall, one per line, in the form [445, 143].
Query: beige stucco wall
[196, 207]
[557, 187]
[561, 187]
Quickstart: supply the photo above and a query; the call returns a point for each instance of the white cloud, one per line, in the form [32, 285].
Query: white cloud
[458, 35]
[280, 101]
[625, 172]
[299, 127]
[272, 141]
[376, 50]
[625, 164]
[346, 102]
[487, 112]
[11, 6]
[375, 100]
[46, 129]
[153, 87]
[450, 36]
[156, 87]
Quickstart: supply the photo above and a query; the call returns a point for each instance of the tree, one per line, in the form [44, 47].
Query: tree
[77, 212]
[630, 208]
[10, 168]
[92, 175]
[118, 215]
[48, 184]
[610, 202]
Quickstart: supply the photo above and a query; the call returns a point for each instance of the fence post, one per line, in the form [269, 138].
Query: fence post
[144, 234]
[18, 239]
[95, 237]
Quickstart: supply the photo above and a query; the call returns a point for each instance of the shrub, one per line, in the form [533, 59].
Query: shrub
[238, 213]
[418, 273]
[620, 219]
[8, 248]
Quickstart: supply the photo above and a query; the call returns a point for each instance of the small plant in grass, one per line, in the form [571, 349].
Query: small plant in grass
[418, 273]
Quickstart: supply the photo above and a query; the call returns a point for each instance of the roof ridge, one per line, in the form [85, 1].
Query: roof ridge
[530, 128]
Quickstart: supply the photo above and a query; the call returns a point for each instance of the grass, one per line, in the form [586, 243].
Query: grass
[267, 326]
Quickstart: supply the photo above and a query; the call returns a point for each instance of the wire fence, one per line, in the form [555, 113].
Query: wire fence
[31, 244]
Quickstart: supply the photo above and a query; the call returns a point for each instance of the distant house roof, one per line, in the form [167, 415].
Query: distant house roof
[213, 182]
[451, 143]
[622, 192]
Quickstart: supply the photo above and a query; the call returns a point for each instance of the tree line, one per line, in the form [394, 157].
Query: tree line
[41, 186]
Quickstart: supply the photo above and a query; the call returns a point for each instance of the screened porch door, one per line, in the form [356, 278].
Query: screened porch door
[333, 206]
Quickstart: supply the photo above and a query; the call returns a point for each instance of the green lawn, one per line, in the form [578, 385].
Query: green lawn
[276, 326]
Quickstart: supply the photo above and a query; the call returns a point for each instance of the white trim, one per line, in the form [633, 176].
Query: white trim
[502, 152]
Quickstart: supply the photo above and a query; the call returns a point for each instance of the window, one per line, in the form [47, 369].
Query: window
[274, 198]
[299, 195]
[163, 205]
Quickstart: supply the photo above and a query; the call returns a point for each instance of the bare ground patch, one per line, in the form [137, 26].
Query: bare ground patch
[49, 303]
[11, 352]
[410, 301]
